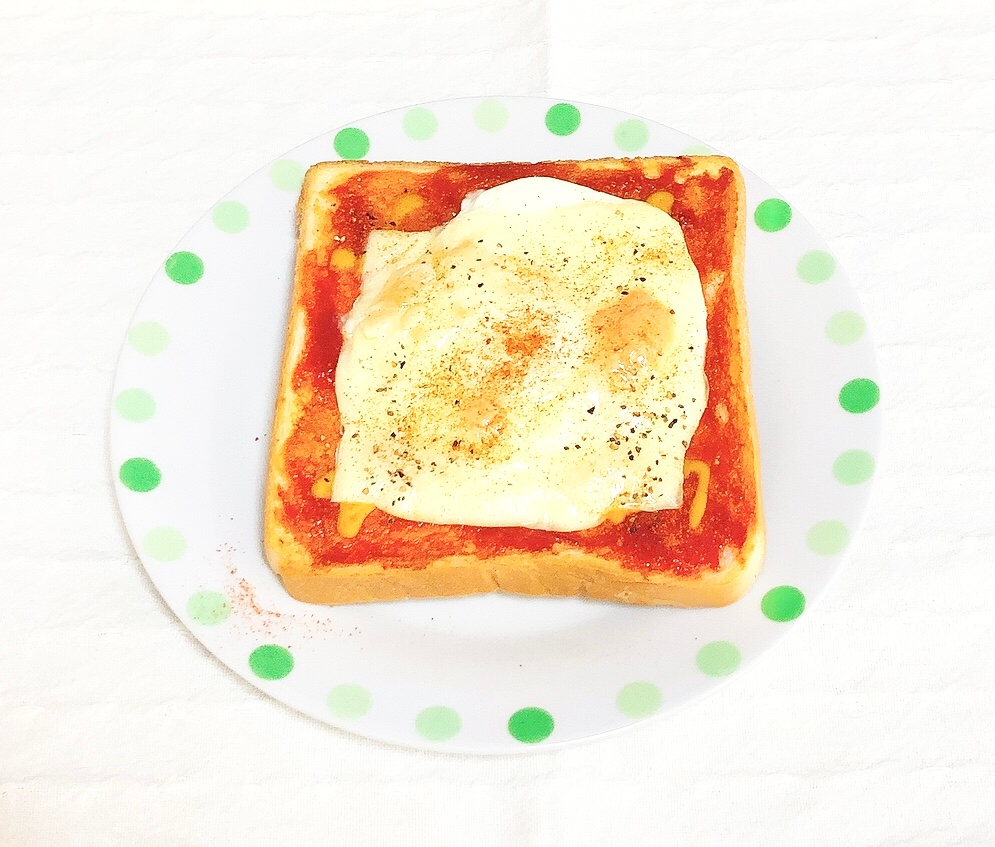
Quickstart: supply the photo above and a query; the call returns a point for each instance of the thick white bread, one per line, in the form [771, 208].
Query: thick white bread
[563, 570]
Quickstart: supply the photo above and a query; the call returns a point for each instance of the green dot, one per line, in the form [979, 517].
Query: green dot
[230, 216]
[530, 725]
[845, 328]
[563, 119]
[772, 215]
[718, 658]
[349, 701]
[490, 115]
[184, 267]
[351, 143]
[697, 150]
[784, 603]
[631, 135]
[270, 661]
[438, 723]
[165, 544]
[287, 175]
[853, 467]
[140, 474]
[639, 699]
[827, 538]
[860, 395]
[209, 608]
[420, 123]
[135, 404]
[148, 338]
[816, 266]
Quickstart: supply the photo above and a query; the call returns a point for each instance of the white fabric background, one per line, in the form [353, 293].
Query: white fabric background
[121, 121]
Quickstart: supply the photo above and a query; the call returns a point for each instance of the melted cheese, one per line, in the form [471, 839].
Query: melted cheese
[700, 501]
[536, 362]
[406, 205]
[343, 259]
[322, 487]
[351, 517]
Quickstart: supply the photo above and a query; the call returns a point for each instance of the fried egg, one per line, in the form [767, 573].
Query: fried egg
[538, 361]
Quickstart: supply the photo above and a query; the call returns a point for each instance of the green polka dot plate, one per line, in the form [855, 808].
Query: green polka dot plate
[190, 424]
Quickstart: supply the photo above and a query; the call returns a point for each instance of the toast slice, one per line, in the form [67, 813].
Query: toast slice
[707, 552]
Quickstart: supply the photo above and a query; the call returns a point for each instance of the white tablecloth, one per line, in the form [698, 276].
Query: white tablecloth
[121, 121]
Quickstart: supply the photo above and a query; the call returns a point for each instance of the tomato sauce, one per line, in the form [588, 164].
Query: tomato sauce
[705, 207]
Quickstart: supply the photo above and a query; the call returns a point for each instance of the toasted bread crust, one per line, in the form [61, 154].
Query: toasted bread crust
[561, 571]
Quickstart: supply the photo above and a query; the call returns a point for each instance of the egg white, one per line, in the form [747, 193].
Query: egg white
[538, 361]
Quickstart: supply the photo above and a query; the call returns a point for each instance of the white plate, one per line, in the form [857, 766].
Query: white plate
[190, 429]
